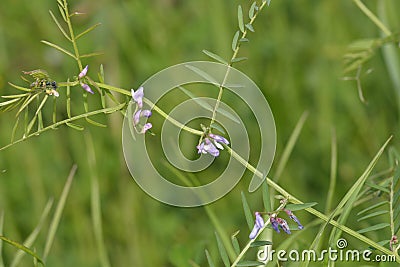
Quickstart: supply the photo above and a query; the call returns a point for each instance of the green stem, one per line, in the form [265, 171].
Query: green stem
[235, 53]
[72, 35]
[154, 107]
[312, 211]
[372, 17]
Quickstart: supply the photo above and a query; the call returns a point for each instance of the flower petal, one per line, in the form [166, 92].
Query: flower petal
[83, 72]
[87, 88]
[138, 96]
[146, 127]
[254, 232]
[136, 117]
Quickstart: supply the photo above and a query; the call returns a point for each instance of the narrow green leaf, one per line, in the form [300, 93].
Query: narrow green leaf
[68, 100]
[372, 207]
[216, 126]
[21, 247]
[247, 212]
[1, 241]
[87, 31]
[244, 40]
[294, 207]
[60, 8]
[235, 243]
[58, 213]
[60, 3]
[252, 10]
[5, 103]
[260, 243]
[235, 41]
[266, 196]
[59, 26]
[75, 126]
[95, 202]
[95, 123]
[203, 74]
[27, 102]
[250, 27]
[209, 259]
[33, 236]
[59, 48]
[384, 242]
[20, 87]
[249, 263]
[94, 54]
[200, 102]
[228, 115]
[240, 18]
[222, 251]
[15, 96]
[215, 56]
[14, 130]
[378, 187]
[239, 59]
[373, 228]
[374, 214]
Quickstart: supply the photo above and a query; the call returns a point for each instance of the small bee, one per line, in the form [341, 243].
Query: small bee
[42, 81]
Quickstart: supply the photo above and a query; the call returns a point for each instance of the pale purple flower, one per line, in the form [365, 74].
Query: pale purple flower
[146, 127]
[274, 224]
[87, 88]
[207, 147]
[140, 113]
[219, 139]
[258, 224]
[294, 218]
[138, 96]
[283, 224]
[83, 72]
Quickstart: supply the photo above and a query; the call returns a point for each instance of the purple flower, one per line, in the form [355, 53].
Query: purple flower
[258, 224]
[87, 88]
[146, 127]
[283, 224]
[218, 138]
[274, 224]
[140, 113]
[138, 96]
[211, 144]
[207, 147]
[294, 218]
[83, 72]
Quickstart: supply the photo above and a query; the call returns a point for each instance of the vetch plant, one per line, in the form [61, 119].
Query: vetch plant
[138, 107]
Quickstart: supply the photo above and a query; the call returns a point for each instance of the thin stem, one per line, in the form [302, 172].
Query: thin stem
[235, 53]
[312, 211]
[72, 35]
[154, 107]
[372, 17]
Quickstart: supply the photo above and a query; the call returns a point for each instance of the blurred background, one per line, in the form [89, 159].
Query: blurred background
[295, 57]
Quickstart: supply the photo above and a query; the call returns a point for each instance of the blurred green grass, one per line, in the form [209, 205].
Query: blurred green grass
[294, 56]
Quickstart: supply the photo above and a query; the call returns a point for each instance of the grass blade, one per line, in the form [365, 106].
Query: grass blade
[332, 180]
[1, 241]
[32, 237]
[222, 251]
[59, 210]
[21, 247]
[375, 227]
[209, 259]
[371, 215]
[95, 202]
